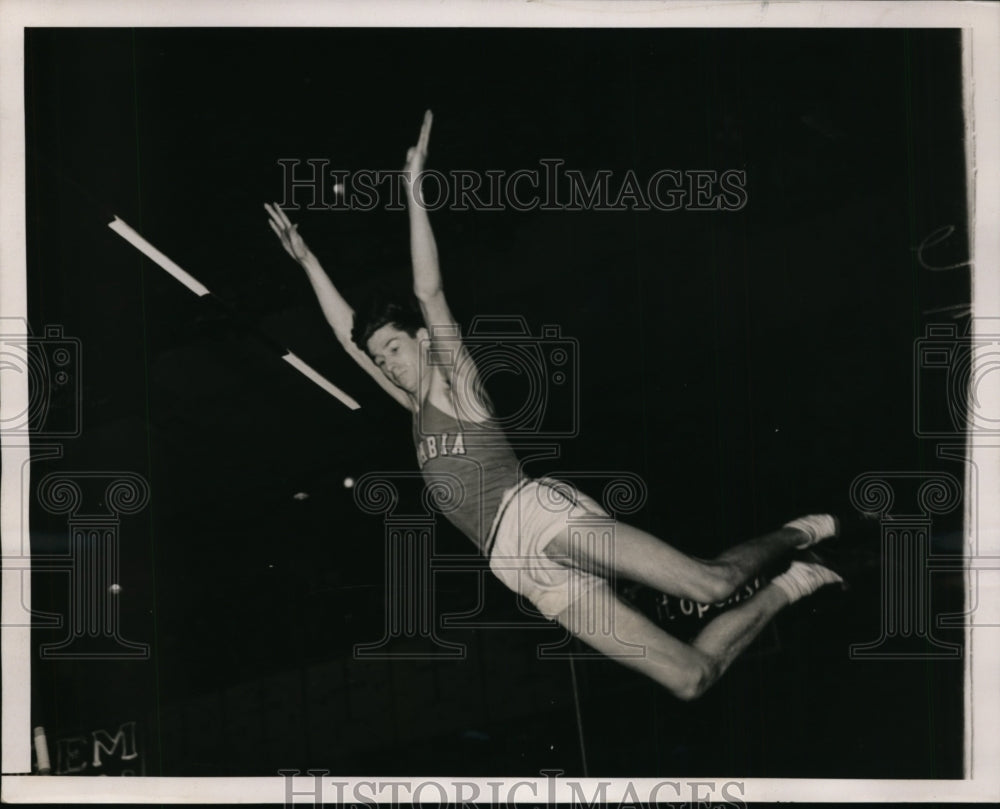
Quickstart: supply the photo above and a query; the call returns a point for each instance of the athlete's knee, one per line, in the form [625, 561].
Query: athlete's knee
[697, 679]
[715, 582]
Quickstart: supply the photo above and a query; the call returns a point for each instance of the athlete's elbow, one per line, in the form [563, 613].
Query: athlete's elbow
[426, 292]
[346, 340]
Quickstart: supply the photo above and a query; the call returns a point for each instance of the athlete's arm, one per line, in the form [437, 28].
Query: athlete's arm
[338, 312]
[459, 369]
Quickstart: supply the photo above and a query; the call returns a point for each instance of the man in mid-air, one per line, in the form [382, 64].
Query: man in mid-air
[523, 525]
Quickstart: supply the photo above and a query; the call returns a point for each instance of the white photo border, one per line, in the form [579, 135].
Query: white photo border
[980, 23]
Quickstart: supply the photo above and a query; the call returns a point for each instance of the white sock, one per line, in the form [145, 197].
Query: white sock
[804, 578]
[815, 526]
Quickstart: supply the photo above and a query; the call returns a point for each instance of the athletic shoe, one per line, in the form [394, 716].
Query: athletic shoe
[805, 578]
[816, 527]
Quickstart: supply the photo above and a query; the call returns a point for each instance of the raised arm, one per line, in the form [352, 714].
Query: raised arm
[423, 248]
[460, 371]
[337, 311]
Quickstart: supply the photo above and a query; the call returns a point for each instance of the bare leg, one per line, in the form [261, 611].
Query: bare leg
[686, 670]
[728, 635]
[644, 558]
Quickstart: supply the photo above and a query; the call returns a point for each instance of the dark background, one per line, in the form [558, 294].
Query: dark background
[747, 365]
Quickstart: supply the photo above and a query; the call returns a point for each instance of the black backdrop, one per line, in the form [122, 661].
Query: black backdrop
[748, 365]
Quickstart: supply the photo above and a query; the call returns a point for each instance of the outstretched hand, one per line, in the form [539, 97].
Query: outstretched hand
[288, 233]
[416, 156]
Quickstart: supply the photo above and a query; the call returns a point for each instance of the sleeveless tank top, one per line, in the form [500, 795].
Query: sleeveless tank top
[467, 466]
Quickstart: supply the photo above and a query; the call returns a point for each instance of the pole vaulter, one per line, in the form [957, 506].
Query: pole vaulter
[199, 289]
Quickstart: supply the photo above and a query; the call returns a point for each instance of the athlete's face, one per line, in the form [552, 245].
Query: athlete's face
[398, 356]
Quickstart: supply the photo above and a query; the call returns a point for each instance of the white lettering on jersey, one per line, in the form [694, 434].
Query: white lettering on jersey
[432, 446]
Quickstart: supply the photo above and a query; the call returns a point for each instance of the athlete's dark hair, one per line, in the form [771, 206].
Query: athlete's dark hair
[384, 308]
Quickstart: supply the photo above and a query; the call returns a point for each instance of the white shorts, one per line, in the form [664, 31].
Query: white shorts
[529, 517]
